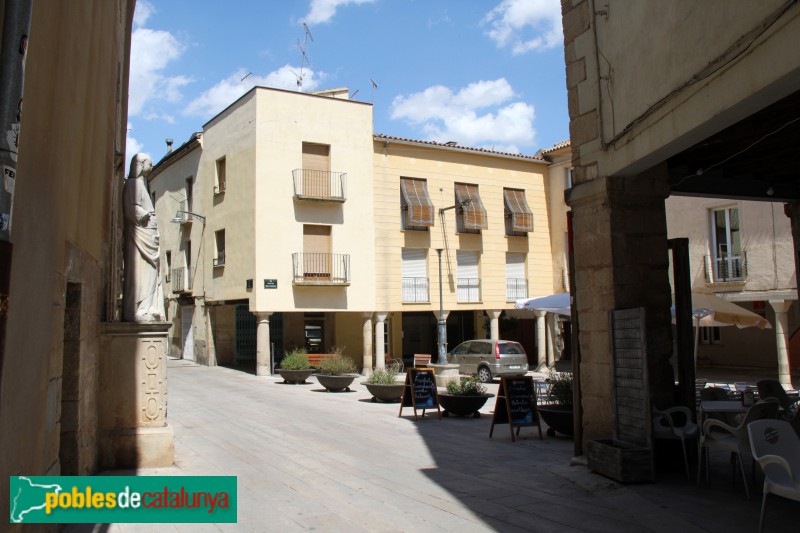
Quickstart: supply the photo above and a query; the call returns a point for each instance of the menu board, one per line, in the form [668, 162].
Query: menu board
[420, 391]
[516, 405]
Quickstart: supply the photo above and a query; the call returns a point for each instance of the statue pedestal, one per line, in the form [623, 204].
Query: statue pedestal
[132, 396]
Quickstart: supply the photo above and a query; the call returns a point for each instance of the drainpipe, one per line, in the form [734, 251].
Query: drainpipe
[16, 26]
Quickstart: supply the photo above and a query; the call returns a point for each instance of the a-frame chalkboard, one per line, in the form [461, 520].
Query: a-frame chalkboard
[420, 391]
[516, 405]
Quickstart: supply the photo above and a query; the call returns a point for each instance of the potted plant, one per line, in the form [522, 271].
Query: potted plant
[337, 371]
[558, 415]
[464, 397]
[295, 367]
[383, 384]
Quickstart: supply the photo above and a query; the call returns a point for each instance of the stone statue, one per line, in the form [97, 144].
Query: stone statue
[143, 295]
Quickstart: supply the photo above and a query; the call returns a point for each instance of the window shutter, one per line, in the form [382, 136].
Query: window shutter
[420, 207]
[474, 215]
[521, 215]
[414, 263]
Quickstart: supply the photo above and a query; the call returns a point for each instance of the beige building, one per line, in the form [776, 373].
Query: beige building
[700, 100]
[63, 273]
[289, 209]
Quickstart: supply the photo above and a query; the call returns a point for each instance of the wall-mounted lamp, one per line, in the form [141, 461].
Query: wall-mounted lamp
[178, 219]
[462, 203]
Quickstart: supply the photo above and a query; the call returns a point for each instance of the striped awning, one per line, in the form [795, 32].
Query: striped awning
[474, 215]
[517, 207]
[416, 201]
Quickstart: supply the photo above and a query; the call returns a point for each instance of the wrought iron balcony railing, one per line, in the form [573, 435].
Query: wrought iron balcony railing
[180, 280]
[321, 269]
[516, 288]
[725, 268]
[415, 290]
[468, 290]
[319, 185]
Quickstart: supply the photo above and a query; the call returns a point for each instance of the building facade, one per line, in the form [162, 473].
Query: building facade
[297, 227]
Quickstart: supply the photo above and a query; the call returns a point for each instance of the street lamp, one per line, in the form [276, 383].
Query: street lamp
[441, 327]
[178, 220]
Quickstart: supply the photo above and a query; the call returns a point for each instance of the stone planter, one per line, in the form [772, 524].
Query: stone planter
[336, 383]
[558, 419]
[462, 405]
[385, 392]
[294, 376]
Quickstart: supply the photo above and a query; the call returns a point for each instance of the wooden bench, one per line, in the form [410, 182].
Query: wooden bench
[314, 359]
[422, 359]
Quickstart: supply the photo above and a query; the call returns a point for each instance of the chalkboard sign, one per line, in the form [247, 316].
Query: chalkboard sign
[420, 391]
[516, 405]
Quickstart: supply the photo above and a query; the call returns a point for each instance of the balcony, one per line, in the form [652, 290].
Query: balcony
[468, 290]
[319, 185]
[415, 290]
[516, 288]
[180, 280]
[725, 268]
[321, 269]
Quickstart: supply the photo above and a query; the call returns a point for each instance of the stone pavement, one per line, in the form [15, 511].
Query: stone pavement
[312, 460]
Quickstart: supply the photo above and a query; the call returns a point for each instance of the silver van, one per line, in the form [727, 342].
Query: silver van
[487, 358]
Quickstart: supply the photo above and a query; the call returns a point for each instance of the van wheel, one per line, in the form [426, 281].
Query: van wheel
[484, 375]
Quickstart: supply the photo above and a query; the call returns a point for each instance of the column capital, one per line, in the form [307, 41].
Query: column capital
[493, 313]
[780, 306]
[539, 313]
[262, 315]
[381, 316]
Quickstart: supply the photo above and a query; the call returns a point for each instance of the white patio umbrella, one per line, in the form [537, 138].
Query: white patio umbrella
[554, 303]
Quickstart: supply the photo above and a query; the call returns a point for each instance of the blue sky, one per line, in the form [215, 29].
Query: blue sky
[483, 73]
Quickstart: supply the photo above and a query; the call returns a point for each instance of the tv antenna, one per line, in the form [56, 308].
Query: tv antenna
[374, 86]
[303, 56]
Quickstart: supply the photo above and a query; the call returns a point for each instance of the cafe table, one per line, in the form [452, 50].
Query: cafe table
[720, 406]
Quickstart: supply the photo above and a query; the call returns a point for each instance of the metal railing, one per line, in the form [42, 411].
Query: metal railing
[724, 268]
[468, 290]
[320, 268]
[415, 290]
[180, 280]
[516, 288]
[320, 184]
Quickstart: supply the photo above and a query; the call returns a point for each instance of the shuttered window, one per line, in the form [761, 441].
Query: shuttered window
[417, 206]
[516, 283]
[414, 270]
[517, 210]
[472, 216]
[468, 286]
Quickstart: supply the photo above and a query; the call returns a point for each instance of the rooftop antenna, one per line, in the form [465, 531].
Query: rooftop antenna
[374, 86]
[303, 56]
[246, 76]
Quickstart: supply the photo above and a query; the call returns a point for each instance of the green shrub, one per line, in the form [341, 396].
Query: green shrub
[296, 359]
[337, 364]
[561, 388]
[381, 376]
[466, 386]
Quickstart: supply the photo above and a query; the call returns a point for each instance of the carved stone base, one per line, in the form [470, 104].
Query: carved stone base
[133, 396]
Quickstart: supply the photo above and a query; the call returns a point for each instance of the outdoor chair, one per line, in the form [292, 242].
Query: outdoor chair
[776, 447]
[733, 439]
[668, 426]
[719, 394]
[422, 360]
[772, 388]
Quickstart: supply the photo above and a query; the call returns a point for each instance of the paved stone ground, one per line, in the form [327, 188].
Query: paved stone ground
[309, 460]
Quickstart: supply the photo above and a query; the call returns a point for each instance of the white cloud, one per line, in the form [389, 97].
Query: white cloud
[224, 93]
[322, 11]
[132, 146]
[525, 24]
[151, 52]
[142, 12]
[443, 115]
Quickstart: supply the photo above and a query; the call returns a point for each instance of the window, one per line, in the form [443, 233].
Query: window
[416, 205]
[316, 170]
[709, 336]
[189, 186]
[187, 257]
[414, 270]
[221, 179]
[726, 241]
[168, 266]
[472, 217]
[519, 218]
[568, 178]
[316, 251]
[468, 288]
[516, 282]
[219, 240]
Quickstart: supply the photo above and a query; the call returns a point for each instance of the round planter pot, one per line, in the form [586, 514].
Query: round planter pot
[385, 392]
[462, 405]
[558, 420]
[294, 376]
[336, 383]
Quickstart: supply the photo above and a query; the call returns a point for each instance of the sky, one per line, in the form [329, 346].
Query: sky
[483, 73]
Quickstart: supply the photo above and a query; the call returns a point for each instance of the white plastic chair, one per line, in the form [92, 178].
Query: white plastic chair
[733, 439]
[776, 447]
[665, 427]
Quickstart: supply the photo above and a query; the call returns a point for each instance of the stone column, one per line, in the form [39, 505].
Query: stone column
[494, 323]
[263, 350]
[781, 308]
[541, 342]
[366, 335]
[380, 355]
[551, 335]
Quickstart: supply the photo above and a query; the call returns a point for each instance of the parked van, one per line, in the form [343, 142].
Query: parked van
[487, 359]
